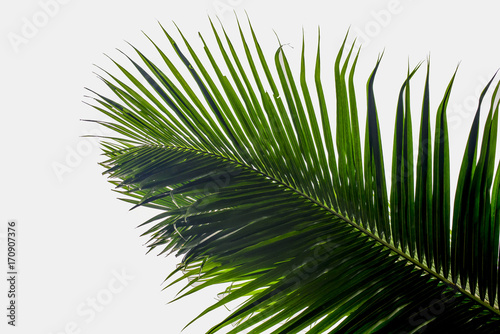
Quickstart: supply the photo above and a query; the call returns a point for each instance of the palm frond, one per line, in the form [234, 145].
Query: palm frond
[254, 191]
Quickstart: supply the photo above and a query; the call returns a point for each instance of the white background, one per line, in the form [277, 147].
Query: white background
[74, 235]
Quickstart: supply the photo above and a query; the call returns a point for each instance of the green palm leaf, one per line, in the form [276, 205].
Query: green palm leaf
[253, 191]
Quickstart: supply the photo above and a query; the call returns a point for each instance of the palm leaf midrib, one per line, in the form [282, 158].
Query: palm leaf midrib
[371, 235]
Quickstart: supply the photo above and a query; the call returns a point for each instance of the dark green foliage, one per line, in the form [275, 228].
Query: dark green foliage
[254, 191]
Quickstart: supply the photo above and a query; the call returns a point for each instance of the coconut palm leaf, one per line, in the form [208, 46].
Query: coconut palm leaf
[253, 191]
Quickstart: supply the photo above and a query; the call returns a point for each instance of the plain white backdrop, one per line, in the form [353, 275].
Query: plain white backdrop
[82, 264]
